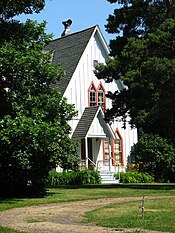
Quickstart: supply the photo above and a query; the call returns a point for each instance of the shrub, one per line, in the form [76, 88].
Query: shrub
[135, 177]
[73, 177]
[155, 155]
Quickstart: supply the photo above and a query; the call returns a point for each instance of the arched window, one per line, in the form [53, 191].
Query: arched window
[105, 149]
[117, 149]
[101, 97]
[92, 96]
[97, 96]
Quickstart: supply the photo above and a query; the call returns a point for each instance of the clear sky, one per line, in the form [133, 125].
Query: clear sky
[83, 13]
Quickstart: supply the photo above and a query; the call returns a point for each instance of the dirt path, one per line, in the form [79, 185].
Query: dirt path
[60, 217]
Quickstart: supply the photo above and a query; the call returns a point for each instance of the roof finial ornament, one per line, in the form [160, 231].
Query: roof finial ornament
[67, 30]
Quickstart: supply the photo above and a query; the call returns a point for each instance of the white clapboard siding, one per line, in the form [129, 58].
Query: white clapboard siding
[76, 89]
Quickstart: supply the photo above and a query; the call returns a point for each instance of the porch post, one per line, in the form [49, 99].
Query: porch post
[110, 155]
[86, 150]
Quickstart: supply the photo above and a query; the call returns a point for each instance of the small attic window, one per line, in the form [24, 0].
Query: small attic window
[95, 63]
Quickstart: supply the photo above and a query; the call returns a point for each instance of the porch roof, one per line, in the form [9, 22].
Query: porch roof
[92, 116]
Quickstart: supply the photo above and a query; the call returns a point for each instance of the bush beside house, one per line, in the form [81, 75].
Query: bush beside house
[73, 177]
[134, 177]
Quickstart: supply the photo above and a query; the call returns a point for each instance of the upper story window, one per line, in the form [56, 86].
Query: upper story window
[93, 101]
[97, 96]
[101, 97]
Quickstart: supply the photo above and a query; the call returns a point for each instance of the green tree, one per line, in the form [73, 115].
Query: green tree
[155, 155]
[136, 19]
[34, 129]
[145, 64]
[144, 60]
[10, 8]
[13, 29]
[148, 72]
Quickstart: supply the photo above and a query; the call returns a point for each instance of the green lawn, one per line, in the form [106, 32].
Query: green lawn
[7, 230]
[158, 215]
[75, 193]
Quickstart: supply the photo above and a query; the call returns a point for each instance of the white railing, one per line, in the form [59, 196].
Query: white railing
[117, 164]
[101, 164]
[92, 165]
[118, 167]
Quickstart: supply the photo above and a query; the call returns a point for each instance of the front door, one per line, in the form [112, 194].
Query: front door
[90, 149]
[83, 150]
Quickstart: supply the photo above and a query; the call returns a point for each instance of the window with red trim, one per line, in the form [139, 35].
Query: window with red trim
[92, 100]
[106, 149]
[117, 149]
[101, 98]
[97, 96]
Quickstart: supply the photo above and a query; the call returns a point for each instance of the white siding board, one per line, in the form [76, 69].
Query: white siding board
[77, 93]
[96, 130]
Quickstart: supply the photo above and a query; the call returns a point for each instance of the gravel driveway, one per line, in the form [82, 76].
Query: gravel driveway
[61, 217]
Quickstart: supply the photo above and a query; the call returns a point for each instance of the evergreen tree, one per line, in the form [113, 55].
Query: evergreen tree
[136, 19]
[144, 61]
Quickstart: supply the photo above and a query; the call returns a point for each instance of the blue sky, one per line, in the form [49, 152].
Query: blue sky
[83, 14]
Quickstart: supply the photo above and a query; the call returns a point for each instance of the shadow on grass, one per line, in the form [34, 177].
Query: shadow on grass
[167, 186]
[157, 186]
[9, 200]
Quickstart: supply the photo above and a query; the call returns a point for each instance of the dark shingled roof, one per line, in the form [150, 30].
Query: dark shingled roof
[85, 122]
[67, 51]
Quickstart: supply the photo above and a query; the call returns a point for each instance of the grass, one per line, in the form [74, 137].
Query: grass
[158, 215]
[85, 192]
[76, 193]
[8, 230]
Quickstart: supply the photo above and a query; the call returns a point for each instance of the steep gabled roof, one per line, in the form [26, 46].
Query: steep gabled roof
[86, 121]
[67, 51]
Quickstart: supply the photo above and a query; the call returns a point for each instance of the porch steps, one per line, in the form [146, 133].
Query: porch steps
[107, 177]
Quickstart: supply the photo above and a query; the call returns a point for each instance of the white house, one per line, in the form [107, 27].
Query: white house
[103, 146]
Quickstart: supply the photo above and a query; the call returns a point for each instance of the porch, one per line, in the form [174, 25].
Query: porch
[103, 167]
[96, 140]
